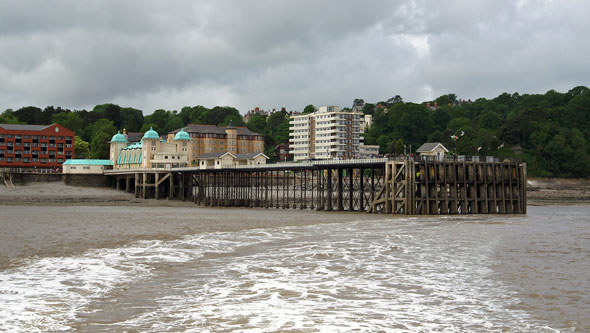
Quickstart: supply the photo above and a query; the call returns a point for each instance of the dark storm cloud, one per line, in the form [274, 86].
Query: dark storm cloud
[166, 54]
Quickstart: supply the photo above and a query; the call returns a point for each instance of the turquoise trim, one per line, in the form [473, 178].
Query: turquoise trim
[88, 162]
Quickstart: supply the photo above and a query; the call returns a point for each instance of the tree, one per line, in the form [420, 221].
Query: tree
[309, 109]
[173, 123]
[101, 133]
[236, 120]
[219, 114]
[369, 108]
[257, 123]
[158, 120]
[399, 147]
[100, 146]
[110, 112]
[8, 117]
[69, 120]
[81, 148]
[131, 119]
[446, 99]
[394, 99]
[29, 115]
[102, 126]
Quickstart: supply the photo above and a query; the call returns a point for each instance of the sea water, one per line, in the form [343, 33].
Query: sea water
[156, 269]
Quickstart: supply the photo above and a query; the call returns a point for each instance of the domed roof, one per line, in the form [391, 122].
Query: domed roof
[119, 137]
[182, 135]
[151, 134]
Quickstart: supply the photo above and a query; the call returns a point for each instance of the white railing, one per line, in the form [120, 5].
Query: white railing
[280, 165]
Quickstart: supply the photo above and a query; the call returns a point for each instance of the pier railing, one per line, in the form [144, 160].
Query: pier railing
[30, 170]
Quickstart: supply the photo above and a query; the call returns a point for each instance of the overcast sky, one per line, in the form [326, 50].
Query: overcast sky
[169, 54]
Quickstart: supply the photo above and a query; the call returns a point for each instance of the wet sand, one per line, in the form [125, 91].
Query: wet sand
[540, 191]
[551, 191]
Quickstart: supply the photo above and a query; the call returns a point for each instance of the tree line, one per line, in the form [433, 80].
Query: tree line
[548, 130]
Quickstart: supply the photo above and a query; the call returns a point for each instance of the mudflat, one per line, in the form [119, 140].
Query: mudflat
[540, 191]
[549, 191]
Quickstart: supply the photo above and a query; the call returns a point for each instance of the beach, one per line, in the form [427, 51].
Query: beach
[540, 191]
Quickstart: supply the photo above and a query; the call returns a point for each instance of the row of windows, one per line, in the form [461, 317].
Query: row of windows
[29, 160]
[28, 144]
[50, 137]
[34, 152]
[224, 136]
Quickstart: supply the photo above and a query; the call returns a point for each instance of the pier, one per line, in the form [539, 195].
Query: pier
[399, 186]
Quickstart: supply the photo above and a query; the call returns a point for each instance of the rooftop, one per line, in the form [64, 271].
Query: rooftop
[88, 162]
[198, 128]
[20, 127]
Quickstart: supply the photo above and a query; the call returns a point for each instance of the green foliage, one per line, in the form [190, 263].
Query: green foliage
[132, 119]
[550, 129]
[309, 109]
[275, 131]
[100, 146]
[369, 109]
[81, 148]
[257, 123]
[8, 117]
[70, 120]
[399, 147]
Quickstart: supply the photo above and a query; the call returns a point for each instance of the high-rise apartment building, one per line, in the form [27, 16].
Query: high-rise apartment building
[329, 133]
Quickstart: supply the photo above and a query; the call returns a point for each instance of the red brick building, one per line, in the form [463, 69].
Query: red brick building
[41, 146]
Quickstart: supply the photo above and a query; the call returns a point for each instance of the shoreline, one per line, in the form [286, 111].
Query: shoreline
[540, 192]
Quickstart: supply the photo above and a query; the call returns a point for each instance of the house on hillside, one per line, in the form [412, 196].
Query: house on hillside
[433, 150]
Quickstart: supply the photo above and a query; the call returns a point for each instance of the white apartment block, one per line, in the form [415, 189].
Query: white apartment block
[329, 134]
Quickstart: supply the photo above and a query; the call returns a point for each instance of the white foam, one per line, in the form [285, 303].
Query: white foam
[366, 276]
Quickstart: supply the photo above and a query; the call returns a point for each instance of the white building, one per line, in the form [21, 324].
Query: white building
[229, 160]
[86, 166]
[434, 150]
[329, 133]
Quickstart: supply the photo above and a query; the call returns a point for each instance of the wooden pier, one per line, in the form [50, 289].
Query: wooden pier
[410, 187]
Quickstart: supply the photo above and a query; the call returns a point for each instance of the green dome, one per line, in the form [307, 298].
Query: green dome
[182, 135]
[119, 137]
[151, 134]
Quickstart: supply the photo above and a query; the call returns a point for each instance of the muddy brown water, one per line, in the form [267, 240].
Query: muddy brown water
[154, 269]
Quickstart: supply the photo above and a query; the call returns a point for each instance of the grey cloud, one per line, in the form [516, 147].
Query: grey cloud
[166, 54]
